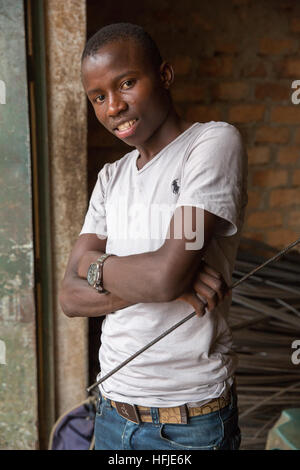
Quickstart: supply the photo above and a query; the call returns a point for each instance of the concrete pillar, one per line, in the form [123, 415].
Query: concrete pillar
[66, 35]
[18, 364]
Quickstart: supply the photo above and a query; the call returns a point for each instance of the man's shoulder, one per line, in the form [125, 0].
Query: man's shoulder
[216, 133]
[109, 168]
[218, 127]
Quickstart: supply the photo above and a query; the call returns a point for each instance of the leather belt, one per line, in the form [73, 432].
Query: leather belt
[175, 415]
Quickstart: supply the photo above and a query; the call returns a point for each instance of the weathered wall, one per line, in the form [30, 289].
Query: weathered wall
[234, 61]
[66, 33]
[18, 381]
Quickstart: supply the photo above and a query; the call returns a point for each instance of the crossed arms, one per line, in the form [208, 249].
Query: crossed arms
[169, 273]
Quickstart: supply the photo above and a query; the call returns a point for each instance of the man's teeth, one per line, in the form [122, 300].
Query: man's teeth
[126, 125]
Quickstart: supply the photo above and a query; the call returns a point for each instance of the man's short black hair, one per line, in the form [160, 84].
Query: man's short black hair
[121, 31]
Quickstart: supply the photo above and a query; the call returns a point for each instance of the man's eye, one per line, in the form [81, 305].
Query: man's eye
[127, 84]
[99, 99]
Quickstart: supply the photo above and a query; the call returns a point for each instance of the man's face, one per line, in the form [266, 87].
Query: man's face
[126, 92]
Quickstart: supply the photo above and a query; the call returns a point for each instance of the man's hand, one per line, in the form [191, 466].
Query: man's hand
[207, 290]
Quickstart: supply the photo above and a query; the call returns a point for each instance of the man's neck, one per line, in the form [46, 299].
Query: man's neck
[172, 127]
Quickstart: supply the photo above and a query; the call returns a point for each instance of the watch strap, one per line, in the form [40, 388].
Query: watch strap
[100, 262]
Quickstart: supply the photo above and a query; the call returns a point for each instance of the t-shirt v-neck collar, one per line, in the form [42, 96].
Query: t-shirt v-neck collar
[136, 152]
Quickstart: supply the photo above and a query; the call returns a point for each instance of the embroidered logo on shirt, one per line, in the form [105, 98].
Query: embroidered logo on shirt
[175, 186]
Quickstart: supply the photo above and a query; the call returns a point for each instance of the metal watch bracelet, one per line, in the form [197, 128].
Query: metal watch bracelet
[99, 284]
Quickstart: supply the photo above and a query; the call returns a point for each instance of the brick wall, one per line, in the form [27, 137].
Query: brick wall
[234, 61]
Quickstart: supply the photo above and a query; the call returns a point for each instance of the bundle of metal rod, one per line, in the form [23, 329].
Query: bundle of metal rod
[265, 321]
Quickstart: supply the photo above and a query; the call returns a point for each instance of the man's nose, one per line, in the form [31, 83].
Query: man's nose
[115, 105]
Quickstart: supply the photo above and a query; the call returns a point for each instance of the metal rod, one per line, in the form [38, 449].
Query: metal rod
[288, 306]
[279, 301]
[265, 400]
[270, 260]
[266, 310]
[270, 283]
[191, 315]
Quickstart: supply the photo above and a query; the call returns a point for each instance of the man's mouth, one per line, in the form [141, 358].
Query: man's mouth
[126, 128]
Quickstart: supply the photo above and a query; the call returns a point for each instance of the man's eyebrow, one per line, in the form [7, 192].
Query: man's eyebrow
[116, 79]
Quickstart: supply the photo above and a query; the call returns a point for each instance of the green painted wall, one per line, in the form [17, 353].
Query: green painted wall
[18, 381]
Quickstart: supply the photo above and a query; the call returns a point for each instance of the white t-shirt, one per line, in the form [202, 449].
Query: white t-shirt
[205, 166]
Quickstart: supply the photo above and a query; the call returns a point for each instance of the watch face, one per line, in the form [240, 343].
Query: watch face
[92, 274]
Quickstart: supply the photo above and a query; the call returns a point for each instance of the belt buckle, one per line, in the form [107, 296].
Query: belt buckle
[128, 412]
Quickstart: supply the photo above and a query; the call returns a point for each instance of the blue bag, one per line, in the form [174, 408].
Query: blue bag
[74, 430]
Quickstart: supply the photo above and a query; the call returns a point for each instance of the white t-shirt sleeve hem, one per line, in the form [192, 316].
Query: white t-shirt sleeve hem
[226, 227]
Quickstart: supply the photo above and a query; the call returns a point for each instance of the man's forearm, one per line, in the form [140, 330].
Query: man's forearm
[78, 299]
[134, 278]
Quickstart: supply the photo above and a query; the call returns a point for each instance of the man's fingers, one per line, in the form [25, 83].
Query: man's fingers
[209, 270]
[192, 298]
[216, 284]
[208, 289]
[198, 304]
[209, 295]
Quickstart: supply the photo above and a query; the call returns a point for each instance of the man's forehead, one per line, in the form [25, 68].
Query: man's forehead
[115, 55]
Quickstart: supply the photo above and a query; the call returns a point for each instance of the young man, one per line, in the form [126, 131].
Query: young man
[170, 212]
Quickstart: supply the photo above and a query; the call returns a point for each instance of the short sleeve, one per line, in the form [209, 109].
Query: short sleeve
[95, 219]
[214, 176]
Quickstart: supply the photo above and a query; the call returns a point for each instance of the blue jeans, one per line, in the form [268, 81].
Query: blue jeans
[214, 431]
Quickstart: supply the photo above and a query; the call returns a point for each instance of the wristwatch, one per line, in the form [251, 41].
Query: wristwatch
[95, 274]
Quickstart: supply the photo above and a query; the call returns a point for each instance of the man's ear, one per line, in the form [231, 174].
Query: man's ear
[166, 74]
